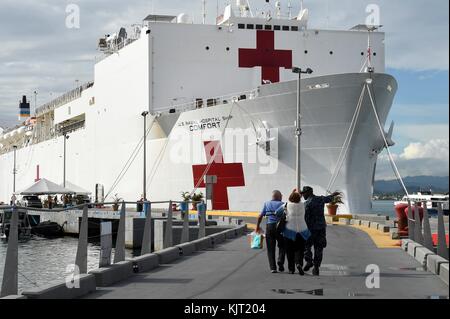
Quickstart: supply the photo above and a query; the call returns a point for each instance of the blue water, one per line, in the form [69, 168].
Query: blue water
[384, 207]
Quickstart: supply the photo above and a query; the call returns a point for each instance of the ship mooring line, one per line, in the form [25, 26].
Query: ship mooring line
[391, 158]
[347, 141]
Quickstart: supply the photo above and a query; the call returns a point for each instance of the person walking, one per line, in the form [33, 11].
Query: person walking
[273, 236]
[295, 233]
[315, 220]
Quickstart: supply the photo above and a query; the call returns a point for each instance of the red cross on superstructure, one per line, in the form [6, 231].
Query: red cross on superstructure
[265, 56]
[228, 175]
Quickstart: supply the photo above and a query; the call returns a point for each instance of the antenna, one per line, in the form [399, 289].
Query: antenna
[204, 11]
[301, 5]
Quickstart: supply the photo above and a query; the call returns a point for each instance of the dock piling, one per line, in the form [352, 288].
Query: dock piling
[105, 244]
[82, 251]
[442, 249]
[168, 236]
[146, 247]
[418, 226]
[119, 254]
[10, 273]
[201, 212]
[428, 240]
[185, 217]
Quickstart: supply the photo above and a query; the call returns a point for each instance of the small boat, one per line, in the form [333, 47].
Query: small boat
[432, 201]
[24, 224]
[48, 230]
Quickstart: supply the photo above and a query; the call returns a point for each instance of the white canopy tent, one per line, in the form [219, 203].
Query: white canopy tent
[45, 187]
[77, 189]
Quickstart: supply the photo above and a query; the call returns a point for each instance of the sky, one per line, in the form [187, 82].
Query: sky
[39, 53]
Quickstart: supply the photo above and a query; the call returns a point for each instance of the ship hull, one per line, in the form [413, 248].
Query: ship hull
[221, 140]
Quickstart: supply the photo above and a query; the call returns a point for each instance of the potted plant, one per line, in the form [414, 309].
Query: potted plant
[186, 198]
[334, 204]
[196, 198]
[116, 200]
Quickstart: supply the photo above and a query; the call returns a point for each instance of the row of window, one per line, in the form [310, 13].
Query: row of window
[267, 27]
[306, 51]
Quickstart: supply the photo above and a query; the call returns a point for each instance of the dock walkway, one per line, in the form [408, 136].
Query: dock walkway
[234, 271]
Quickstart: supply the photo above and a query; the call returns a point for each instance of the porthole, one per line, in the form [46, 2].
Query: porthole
[362, 53]
[207, 48]
[374, 54]
[331, 52]
[306, 51]
[228, 49]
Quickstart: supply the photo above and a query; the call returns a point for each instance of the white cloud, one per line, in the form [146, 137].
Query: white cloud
[423, 158]
[437, 149]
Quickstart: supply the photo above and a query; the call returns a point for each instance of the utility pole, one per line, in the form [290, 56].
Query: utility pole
[14, 170]
[144, 191]
[65, 137]
[298, 129]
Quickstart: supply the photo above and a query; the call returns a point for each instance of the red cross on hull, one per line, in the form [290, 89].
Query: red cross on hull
[228, 175]
[265, 56]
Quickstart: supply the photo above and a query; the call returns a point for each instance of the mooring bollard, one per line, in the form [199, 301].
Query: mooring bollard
[82, 251]
[11, 270]
[168, 236]
[119, 254]
[201, 211]
[418, 226]
[105, 244]
[442, 249]
[146, 247]
[185, 216]
[410, 222]
[428, 239]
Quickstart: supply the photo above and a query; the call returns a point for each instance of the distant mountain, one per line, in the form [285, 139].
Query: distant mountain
[413, 184]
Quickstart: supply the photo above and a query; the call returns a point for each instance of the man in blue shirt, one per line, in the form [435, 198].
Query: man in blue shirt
[315, 219]
[272, 235]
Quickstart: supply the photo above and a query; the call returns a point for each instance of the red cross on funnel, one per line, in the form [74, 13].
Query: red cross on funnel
[228, 175]
[265, 56]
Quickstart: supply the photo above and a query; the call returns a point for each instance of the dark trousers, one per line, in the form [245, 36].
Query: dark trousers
[272, 239]
[295, 251]
[318, 239]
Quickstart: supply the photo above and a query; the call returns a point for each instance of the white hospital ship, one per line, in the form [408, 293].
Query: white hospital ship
[222, 101]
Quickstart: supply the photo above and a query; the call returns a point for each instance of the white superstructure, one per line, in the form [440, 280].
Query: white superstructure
[207, 83]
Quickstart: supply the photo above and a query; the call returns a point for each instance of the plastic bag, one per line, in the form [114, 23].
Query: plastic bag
[256, 240]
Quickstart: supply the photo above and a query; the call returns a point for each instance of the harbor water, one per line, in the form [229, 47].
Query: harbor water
[42, 261]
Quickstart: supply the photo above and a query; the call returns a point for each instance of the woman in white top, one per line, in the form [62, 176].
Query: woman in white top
[296, 232]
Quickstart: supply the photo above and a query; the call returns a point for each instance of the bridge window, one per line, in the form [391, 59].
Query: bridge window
[241, 26]
[276, 27]
[295, 28]
[259, 27]
[250, 26]
[285, 28]
[268, 27]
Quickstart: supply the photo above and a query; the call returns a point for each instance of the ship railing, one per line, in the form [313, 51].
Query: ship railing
[63, 99]
[208, 102]
[148, 212]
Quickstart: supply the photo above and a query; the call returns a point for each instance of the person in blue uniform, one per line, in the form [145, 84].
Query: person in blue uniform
[273, 236]
[315, 220]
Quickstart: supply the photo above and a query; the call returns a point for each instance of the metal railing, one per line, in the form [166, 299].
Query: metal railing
[10, 273]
